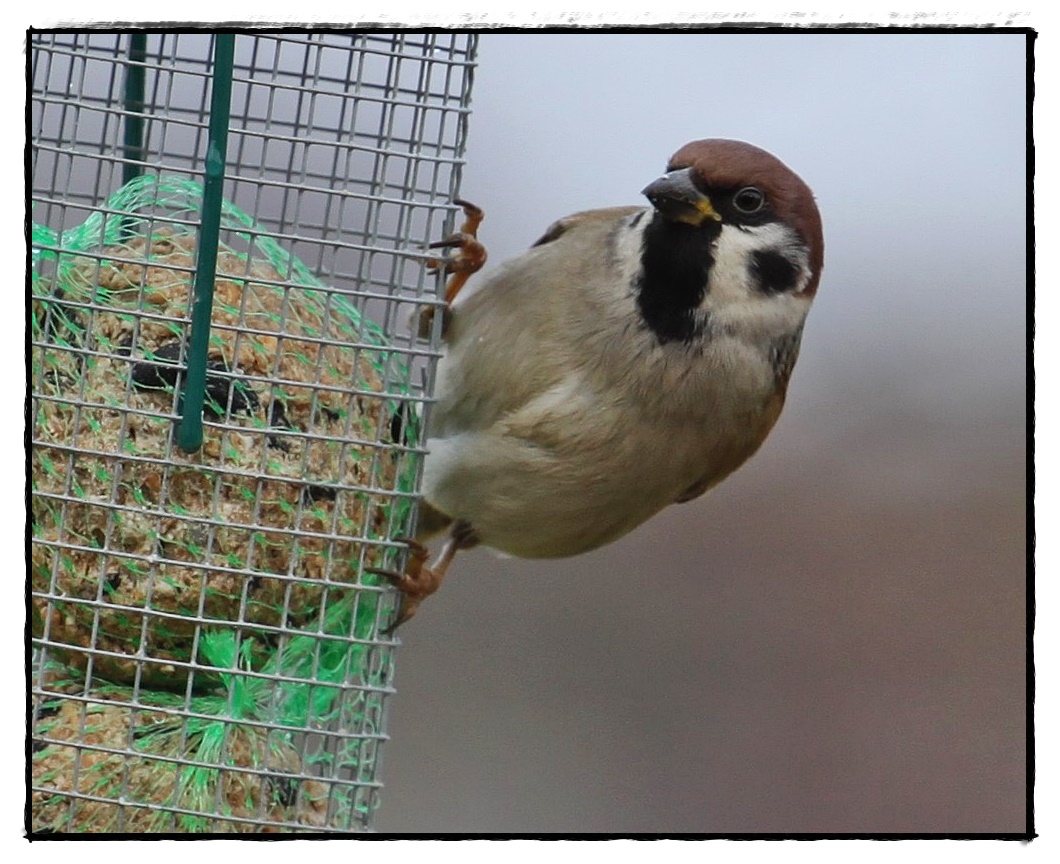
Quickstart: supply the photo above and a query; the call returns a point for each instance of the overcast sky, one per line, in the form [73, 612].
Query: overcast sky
[914, 145]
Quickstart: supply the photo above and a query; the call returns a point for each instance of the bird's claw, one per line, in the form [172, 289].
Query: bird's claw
[467, 258]
[416, 584]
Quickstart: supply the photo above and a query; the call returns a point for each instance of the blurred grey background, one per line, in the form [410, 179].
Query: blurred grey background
[834, 640]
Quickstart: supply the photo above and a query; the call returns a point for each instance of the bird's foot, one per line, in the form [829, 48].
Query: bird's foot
[416, 584]
[469, 254]
[466, 258]
[461, 264]
[419, 581]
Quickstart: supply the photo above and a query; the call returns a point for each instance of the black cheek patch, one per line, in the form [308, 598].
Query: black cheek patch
[773, 273]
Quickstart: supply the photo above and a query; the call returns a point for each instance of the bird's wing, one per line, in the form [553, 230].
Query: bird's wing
[508, 341]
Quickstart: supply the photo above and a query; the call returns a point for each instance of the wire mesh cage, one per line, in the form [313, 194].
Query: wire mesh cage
[225, 414]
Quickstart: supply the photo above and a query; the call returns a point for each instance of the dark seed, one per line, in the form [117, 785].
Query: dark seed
[156, 376]
[285, 788]
[222, 389]
[278, 443]
[318, 493]
[399, 425]
[278, 415]
[278, 420]
[218, 387]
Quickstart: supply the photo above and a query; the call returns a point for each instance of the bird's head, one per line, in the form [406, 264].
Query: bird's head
[735, 242]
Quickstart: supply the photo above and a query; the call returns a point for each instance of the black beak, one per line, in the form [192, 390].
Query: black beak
[676, 197]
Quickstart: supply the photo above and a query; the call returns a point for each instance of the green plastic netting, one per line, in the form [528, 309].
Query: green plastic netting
[184, 601]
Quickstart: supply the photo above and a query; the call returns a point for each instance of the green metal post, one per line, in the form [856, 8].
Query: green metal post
[133, 139]
[189, 433]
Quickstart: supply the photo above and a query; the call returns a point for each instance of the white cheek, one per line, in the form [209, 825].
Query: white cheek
[733, 249]
[733, 301]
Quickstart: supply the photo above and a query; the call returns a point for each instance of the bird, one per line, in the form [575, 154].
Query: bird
[632, 358]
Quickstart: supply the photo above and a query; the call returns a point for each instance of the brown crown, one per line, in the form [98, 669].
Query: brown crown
[723, 164]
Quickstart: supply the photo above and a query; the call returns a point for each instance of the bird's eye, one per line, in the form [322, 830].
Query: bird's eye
[750, 199]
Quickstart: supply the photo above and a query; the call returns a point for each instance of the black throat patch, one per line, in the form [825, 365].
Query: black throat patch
[676, 259]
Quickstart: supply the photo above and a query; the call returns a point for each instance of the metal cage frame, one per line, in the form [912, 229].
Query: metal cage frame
[159, 700]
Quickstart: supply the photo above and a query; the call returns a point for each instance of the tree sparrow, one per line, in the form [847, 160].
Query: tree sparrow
[632, 358]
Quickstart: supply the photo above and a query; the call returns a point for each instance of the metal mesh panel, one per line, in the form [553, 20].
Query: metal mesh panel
[207, 642]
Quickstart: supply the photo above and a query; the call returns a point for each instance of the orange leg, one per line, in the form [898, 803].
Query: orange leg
[419, 581]
[469, 254]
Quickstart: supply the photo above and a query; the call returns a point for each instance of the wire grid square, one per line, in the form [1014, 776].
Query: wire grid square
[207, 649]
